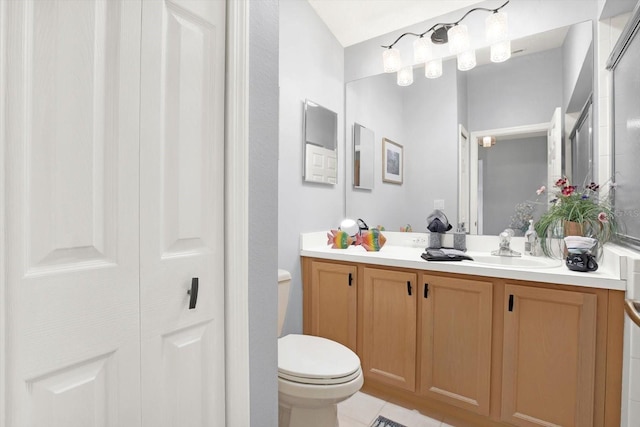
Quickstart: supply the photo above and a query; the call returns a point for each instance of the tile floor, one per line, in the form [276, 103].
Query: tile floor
[362, 409]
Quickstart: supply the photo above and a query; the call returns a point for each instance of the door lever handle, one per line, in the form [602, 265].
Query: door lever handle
[193, 293]
[632, 307]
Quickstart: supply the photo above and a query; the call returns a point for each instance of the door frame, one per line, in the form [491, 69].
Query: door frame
[3, 271]
[236, 217]
[236, 239]
[538, 129]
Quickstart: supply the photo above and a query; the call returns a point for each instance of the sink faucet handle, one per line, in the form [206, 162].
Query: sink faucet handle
[505, 237]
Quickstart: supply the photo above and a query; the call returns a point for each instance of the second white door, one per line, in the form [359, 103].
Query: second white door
[182, 213]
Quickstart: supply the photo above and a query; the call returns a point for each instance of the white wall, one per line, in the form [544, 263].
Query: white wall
[263, 208]
[311, 66]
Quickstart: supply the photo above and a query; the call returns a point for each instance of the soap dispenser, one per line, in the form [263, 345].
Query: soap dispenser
[530, 240]
[460, 238]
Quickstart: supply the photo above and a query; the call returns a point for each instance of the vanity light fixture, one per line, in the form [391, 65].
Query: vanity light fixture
[405, 76]
[457, 35]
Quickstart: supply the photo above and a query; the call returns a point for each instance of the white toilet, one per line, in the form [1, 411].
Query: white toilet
[314, 374]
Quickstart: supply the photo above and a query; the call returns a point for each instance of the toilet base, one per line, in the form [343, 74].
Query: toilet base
[326, 416]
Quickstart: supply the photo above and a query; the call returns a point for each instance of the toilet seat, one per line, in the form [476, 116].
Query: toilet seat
[307, 359]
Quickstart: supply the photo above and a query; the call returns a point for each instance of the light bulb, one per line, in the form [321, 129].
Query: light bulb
[496, 27]
[405, 76]
[421, 50]
[466, 60]
[501, 51]
[458, 36]
[391, 60]
[486, 141]
[433, 68]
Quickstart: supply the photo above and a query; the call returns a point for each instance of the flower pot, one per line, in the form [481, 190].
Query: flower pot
[572, 228]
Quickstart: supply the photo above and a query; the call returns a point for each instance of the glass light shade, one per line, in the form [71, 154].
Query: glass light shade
[405, 76]
[458, 39]
[466, 60]
[433, 68]
[391, 60]
[421, 50]
[496, 27]
[486, 141]
[501, 51]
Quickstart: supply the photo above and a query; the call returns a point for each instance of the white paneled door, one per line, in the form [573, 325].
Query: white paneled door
[113, 175]
[181, 206]
[72, 94]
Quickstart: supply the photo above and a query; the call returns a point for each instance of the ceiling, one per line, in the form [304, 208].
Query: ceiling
[354, 21]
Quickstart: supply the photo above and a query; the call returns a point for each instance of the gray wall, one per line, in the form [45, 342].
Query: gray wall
[431, 123]
[577, 56]
[263, 208]
[423, 119]
[311, 66]
[513, 170]
[522, 91]
[375, 103]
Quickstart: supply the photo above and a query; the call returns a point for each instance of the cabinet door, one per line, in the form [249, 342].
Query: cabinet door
[389, 327]
[549, 357]
[455, 339]
[334, 302]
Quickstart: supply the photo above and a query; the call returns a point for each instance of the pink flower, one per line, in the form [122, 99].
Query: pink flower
[561, 182]
[602, 217]
[568, 190]
[541, 190]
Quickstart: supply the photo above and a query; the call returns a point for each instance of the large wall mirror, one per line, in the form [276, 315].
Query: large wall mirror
[320, 144]
[548, 74]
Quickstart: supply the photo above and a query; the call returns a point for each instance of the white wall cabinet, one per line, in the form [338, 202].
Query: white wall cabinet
[113, 158]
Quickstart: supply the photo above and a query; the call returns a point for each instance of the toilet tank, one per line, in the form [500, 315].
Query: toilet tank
[284, 283]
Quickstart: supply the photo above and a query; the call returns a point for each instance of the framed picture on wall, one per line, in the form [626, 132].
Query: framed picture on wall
[392, 161]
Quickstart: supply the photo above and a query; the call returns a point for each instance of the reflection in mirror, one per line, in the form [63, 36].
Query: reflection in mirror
[364, 142]
[581, 140]
[546, 71]
[320, 144]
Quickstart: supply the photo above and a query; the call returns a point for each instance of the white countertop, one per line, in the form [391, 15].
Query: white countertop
[401, 251]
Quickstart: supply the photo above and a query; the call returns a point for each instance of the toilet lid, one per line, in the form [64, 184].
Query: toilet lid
[314, 360]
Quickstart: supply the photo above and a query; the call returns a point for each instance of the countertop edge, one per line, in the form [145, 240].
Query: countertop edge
[556, 275]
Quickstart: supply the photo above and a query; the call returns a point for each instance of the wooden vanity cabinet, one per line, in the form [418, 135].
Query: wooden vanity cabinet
[455, 328]
[549, 357]
[330, 309]
[476, 351]
[389, 327]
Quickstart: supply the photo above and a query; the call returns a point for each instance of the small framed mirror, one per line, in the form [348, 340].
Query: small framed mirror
[363, 157]
[320, 144]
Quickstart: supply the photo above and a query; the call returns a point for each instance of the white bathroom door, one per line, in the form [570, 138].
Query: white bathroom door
[70, 82]
[554, 152]
[182, 213]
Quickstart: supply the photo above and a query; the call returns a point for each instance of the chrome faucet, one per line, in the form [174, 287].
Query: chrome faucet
[505, 242]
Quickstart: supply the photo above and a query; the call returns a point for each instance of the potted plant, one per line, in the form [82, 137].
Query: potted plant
[575, 212]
